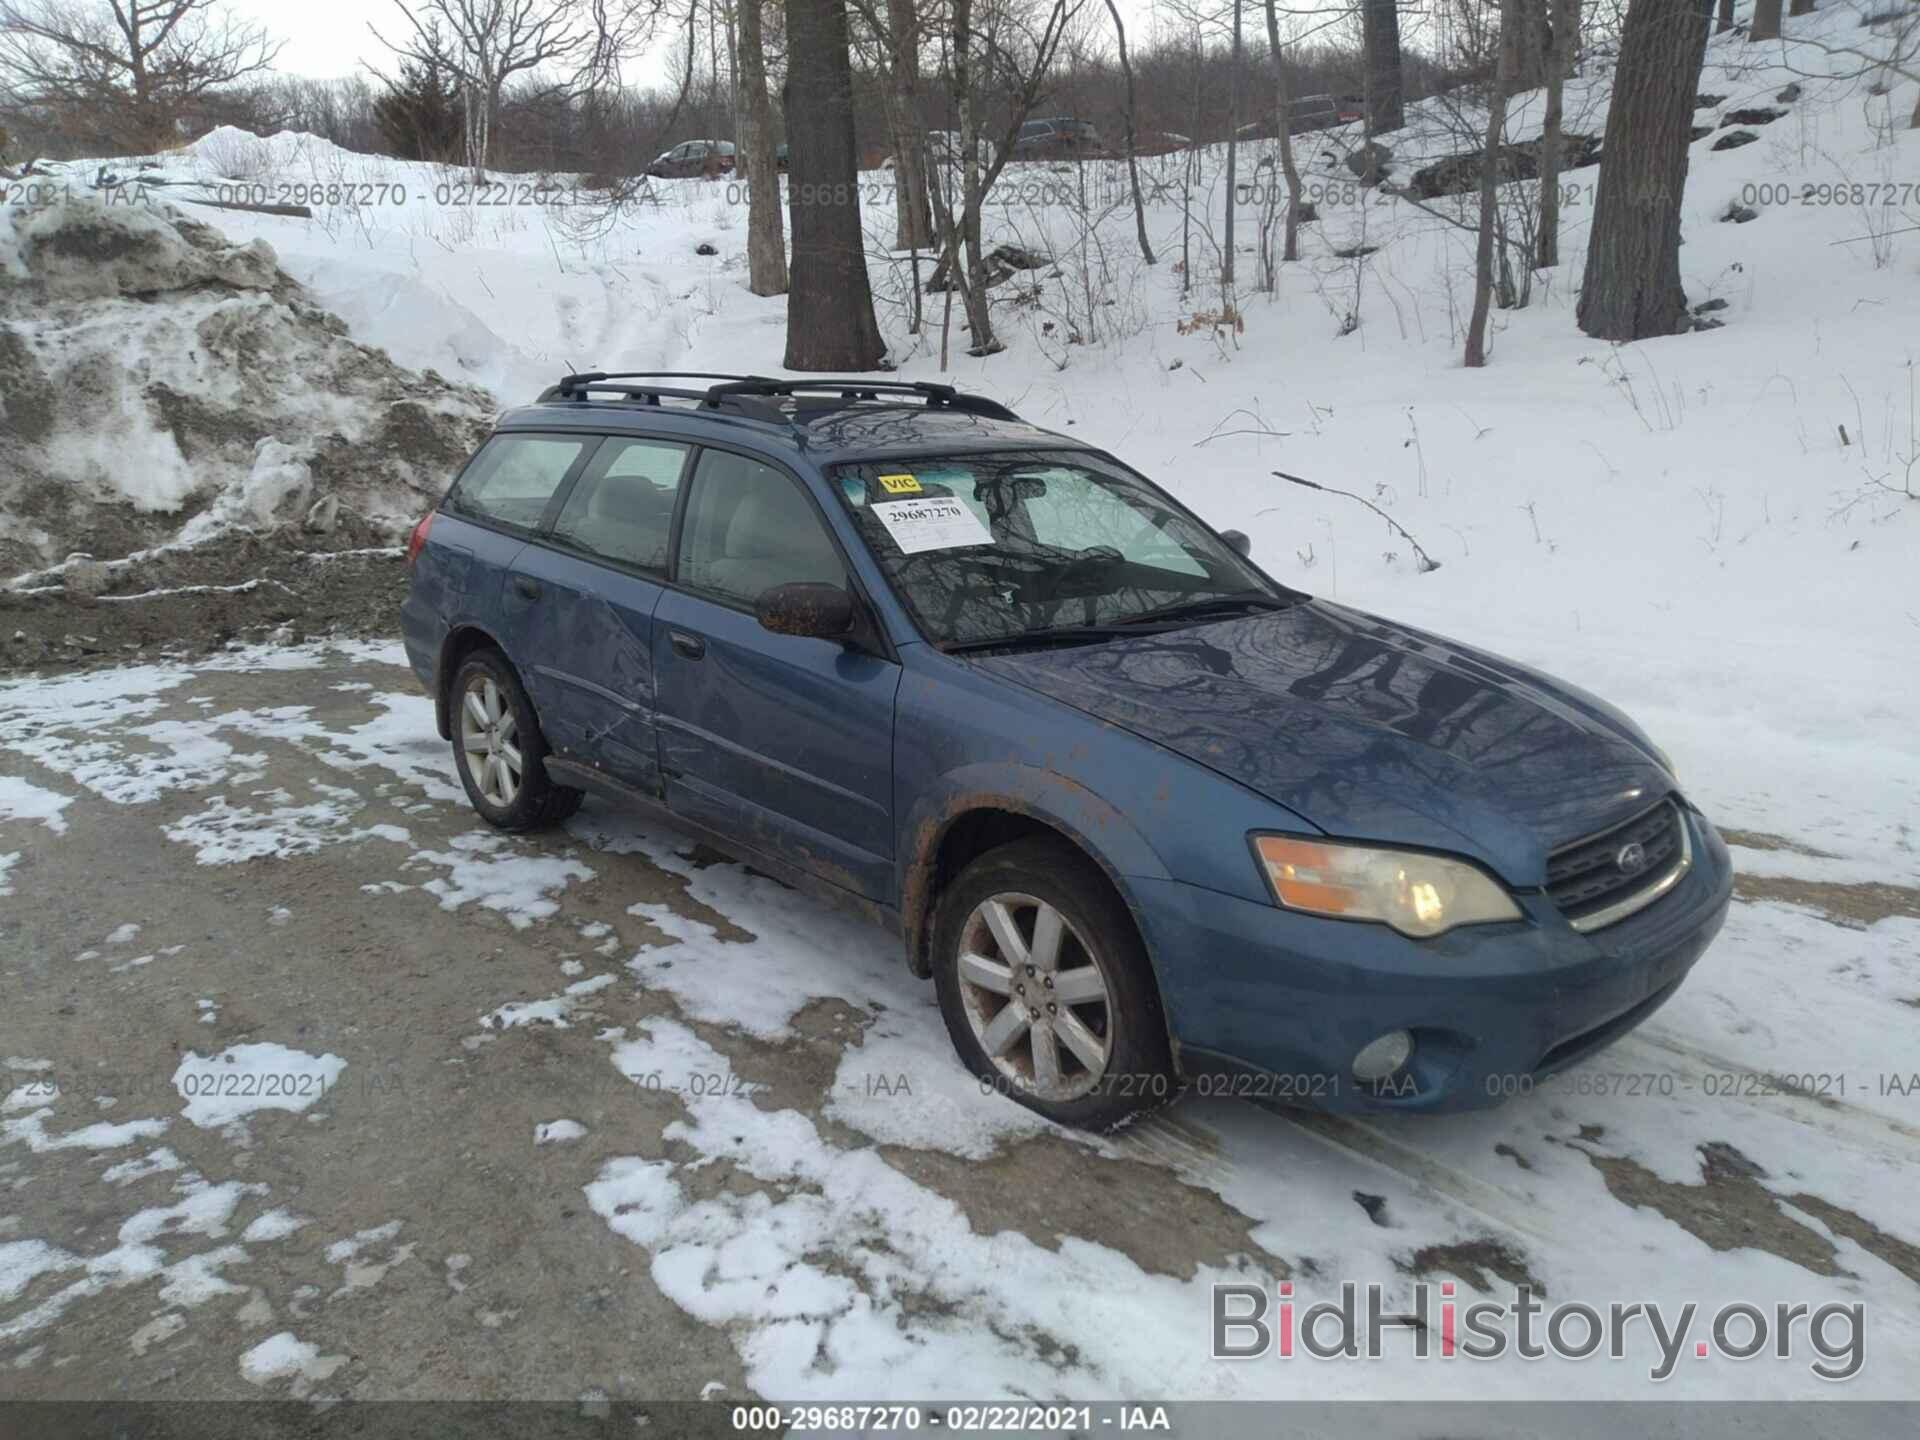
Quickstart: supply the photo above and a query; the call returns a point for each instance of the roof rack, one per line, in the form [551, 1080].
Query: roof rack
[757, 396]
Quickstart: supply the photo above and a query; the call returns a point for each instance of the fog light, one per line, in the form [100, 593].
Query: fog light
[1380, 1059]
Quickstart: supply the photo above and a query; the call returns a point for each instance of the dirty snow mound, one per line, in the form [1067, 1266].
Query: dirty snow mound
[158, 383]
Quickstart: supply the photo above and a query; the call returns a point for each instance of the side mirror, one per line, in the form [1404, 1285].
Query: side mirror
[1238, 542]
[807, 608]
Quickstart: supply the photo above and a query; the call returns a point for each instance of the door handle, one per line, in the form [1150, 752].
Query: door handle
[526, 587]
[691, 646]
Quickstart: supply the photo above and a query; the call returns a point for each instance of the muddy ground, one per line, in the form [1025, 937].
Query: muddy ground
[441, 1250]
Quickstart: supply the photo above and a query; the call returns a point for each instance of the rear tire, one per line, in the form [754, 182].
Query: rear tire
[499, 750]
[1046, 988]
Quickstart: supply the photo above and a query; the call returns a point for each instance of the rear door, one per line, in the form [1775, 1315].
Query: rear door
[583, 595]
[500, 501]
[781, 741]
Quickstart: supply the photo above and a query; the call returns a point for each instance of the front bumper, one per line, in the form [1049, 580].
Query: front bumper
[1280, 1001]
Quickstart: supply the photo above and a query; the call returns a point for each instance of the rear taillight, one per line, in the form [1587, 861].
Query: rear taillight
[418, 538]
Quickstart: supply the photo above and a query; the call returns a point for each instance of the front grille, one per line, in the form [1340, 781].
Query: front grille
[1586, 881]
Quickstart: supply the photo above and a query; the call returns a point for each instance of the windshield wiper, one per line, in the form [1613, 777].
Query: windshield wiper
[1207, 607]
[1041, 635]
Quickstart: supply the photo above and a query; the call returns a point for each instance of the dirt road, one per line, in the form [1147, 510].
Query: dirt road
[316, 1088]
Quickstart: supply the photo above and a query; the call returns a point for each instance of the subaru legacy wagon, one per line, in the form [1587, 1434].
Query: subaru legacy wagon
[1145, 816]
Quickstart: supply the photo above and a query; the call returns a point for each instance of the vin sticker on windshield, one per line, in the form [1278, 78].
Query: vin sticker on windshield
[939, 522]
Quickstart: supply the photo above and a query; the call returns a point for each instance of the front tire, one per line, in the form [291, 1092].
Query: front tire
[499, 750]
[1046, 988]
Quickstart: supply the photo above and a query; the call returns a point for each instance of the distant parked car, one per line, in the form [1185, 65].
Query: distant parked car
[1307, 113]
[1056, 137]
[693, 157]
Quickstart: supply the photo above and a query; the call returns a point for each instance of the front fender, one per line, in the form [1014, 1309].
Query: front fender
[1056, 801]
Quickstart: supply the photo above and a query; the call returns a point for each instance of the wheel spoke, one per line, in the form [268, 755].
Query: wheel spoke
[1006, 934]
[989, 975]
[507, 729]
[492, 693]
[477, 709]
[1082, 985]
[1008, 1026]
[511, 754]
[1087, 1047]
[474, 742]
[1048, 926]
[1046, 1059]
[509, 784]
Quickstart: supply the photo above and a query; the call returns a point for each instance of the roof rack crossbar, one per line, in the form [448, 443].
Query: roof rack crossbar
[936, 396]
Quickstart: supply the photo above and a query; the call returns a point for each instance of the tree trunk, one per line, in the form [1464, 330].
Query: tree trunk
[1133, 163]
[766, 241]
[1565, 29]
[1632, 286]
[1513, 17]
[1380, 36]
[913, 221]
[1233, 157]
[1283, 107]
[830, 324]
[1766, 20]
[1725, 22]
[1800, 7]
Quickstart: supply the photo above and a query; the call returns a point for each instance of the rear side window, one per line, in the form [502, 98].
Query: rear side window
[622, 507]
[749, 528]
[514, 477]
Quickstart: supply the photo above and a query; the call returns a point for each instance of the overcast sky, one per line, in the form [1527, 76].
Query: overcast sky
[328, 38]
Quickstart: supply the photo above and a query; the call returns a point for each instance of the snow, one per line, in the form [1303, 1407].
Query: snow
[22, 800]
[243, 1079]
[484, 869]
[286, 1357]
[557, 1132]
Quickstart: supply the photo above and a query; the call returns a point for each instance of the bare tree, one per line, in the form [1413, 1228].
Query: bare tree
[1800, 7]
[1766, 21]
[1227, 246]
[830, 323]
[126, 69]
[998, 43]
[1563, 38]
[1725, 21]
[766, 239]
[1512, 18]
[1386, 87]
[913, 219]
[1283, 111]
[1632, 286]
[1133, 162]
[494, 42]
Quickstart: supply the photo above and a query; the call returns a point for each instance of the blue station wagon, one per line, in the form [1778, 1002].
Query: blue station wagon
[1144, 815]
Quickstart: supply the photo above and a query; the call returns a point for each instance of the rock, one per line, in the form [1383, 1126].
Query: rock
[1460, 174]
[1700, 132]
[1739, 214]
[1789, 95]
[1759, 115]
[85, 576]
[323, 515]
[1708, 102]
[1734, 139]
[705, 248]
[1706, 307]
[1369, 162]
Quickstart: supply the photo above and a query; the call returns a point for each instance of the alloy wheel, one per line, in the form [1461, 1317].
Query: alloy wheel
[490, 736]
[1036, 996]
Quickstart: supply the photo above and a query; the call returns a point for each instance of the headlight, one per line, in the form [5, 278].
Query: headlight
[1416, 894]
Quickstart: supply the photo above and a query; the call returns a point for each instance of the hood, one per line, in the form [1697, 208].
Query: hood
[1369, 730]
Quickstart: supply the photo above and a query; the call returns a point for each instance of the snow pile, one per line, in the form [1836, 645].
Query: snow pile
[153, 373]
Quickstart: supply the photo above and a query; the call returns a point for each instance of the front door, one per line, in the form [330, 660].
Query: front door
[782, 741]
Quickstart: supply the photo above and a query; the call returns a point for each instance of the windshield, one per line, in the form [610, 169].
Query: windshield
[1005, 546]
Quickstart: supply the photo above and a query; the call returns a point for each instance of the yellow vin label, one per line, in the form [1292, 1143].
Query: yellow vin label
[900, 484]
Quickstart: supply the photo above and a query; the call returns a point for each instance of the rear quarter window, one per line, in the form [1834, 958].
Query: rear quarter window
[514, 477]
